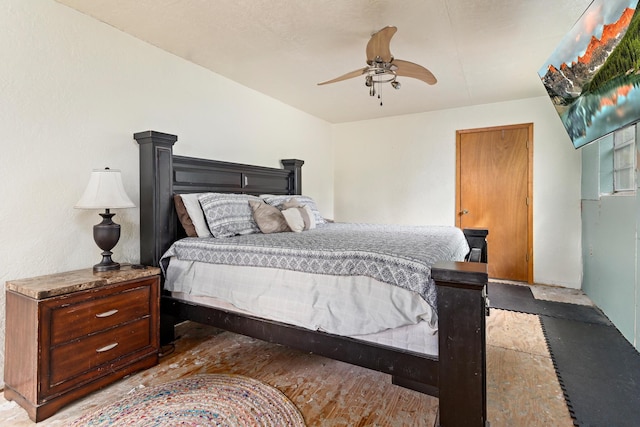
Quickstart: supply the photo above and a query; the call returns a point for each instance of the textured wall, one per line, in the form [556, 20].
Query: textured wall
[402, 169]
[73, 92]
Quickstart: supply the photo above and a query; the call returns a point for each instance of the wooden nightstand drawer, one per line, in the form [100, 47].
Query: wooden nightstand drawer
[77, 357]
[69, 334]
[75, 320]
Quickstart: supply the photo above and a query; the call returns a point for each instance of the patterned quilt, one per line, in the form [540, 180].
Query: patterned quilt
[397, 255]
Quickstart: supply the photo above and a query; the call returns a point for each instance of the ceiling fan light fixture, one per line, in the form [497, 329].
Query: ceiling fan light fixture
[368, 82]
[381, 75]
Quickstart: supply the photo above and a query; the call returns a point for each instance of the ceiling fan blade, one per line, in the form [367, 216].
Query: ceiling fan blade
[409, 69]
[379, 45]
[350, 75]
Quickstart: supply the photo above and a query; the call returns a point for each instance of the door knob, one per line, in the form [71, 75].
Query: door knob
[464, 212]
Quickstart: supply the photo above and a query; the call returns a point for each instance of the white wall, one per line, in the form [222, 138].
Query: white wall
[402, 170]
[72, 93]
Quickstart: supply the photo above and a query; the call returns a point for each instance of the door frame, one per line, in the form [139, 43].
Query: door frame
[458, 218]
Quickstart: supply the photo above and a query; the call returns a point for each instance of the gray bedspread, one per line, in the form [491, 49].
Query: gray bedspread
[397, 255]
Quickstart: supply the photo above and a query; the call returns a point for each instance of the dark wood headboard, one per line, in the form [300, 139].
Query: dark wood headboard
[162, 175]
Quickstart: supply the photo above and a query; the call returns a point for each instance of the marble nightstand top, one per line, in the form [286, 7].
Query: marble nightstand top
[52, 285]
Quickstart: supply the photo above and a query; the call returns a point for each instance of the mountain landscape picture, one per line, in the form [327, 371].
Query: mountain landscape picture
[593, 76]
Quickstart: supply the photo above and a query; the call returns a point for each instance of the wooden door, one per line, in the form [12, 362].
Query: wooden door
[494, 191]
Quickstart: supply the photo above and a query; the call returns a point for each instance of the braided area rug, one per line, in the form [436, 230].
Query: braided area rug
[201, 400]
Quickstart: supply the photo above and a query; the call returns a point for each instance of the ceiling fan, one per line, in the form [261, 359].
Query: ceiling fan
[382, 67]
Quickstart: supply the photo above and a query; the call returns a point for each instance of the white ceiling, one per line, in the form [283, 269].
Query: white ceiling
[481, 51]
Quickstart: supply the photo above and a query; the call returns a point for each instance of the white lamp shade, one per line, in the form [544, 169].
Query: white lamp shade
[105, 191]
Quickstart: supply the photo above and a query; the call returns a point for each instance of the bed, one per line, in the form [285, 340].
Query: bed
[455, 371]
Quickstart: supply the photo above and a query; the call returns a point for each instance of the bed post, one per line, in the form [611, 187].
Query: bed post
[156, 205]
[461, 288]
[477, 239]
[294, 166]
[156, 189]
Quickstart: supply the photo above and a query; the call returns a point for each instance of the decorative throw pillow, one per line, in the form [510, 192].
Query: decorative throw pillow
[299, 219]
[269, 218]
[228, 214]
[192, 205]
[279, 200]
[291, 203]
[183, 216]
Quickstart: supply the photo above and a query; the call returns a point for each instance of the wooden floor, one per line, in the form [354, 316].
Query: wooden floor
[522, 386]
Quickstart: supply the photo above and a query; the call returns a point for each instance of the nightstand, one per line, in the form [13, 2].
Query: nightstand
[71, 333]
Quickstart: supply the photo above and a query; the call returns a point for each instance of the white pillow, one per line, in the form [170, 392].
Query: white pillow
[299, 219]
[196, 214]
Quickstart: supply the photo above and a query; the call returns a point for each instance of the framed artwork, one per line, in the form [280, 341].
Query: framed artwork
[593, 76]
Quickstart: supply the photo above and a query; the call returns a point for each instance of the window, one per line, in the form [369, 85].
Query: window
[624, 159]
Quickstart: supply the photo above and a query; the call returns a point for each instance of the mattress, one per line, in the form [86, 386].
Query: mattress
[420, 337]
[400, 256]
[341, 305]
[370, 282]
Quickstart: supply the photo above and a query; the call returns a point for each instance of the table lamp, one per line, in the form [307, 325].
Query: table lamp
[105, 191]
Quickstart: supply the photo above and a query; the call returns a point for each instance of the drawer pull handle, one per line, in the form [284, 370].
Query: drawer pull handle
[106, 348]
[107, 313]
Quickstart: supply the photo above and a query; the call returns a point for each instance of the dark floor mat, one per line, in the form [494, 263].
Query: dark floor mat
[598, 369]
[511, 297]
[519, 298]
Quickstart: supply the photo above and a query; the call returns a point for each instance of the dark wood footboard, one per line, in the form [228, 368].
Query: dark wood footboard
[457, 375]
[461, 288]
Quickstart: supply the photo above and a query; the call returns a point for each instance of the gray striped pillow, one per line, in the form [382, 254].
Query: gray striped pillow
[228, 214]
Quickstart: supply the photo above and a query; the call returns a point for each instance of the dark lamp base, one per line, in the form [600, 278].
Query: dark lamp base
[106, 234]
[106, 266]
